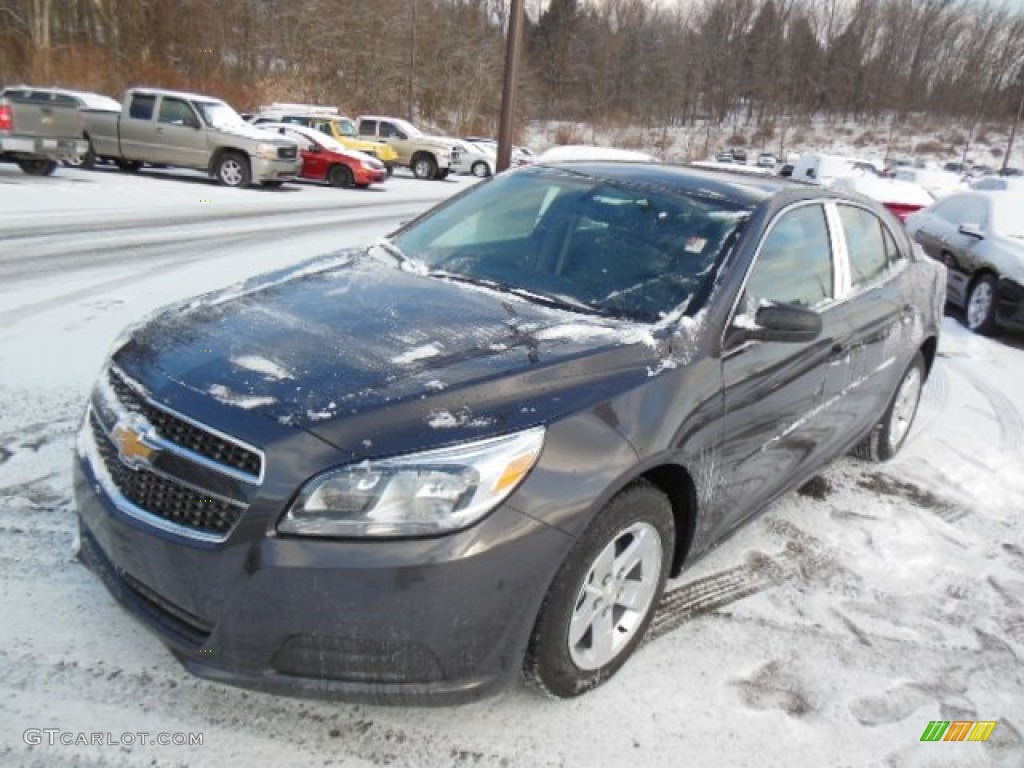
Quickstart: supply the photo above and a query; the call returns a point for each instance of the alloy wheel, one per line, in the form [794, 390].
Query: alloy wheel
[615, 596]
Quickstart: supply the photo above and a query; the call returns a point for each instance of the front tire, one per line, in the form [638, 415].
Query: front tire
[232, 170]
[888, 436]
[980, 312]
[424, 167]
[605, 594]
[37, 166]
[480, 169]
[341, 176]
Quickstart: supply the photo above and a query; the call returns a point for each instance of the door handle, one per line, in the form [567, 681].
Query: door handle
[837, 353]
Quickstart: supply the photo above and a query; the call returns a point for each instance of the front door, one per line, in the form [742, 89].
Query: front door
[775, 393]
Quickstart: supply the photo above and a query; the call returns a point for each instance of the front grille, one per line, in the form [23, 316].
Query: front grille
[162, 497]
[287, 153]
[187, 435]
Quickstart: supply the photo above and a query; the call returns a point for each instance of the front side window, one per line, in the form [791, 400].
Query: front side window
[142, 106]
[794, 263]
[865, 244]
[177, 112]
[605, 246]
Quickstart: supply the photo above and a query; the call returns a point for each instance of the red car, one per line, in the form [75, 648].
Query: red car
[324, 159]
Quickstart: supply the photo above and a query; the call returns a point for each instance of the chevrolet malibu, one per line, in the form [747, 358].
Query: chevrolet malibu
[477, 449]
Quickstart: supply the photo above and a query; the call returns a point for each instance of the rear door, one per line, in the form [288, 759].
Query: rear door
[872, 308]
[774, 426]
[137, 127]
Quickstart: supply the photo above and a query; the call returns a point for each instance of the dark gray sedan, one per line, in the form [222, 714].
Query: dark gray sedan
[979, 236]
[477, 449]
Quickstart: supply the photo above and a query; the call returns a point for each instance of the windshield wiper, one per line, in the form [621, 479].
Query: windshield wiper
[396, 253]
[536, 297]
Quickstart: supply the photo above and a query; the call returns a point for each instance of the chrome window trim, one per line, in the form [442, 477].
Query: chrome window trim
[187, 453]
[819, 308]
[890, 271]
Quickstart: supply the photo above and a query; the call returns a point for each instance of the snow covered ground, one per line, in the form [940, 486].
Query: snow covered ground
[827, 632]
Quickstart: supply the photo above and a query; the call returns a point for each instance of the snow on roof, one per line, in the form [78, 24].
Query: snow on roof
[586, 152]
[885, 190]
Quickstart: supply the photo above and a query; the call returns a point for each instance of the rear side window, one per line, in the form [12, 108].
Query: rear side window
[961, 209]
[368, 127]
[142, 106]
[794, 264]
[865, 244]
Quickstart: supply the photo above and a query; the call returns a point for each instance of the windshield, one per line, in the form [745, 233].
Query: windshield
[586, 243]
[347, 128]
[217, 114]
[407, 128]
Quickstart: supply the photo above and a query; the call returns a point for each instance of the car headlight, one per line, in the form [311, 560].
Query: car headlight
[266, 151]
[420, 494]
[371, 165]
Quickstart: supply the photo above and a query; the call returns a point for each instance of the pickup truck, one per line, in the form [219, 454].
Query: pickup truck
[188, 130]
[35, 133]
[429, 157]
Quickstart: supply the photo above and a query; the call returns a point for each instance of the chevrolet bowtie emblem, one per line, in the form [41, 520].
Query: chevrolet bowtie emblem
[131, 445]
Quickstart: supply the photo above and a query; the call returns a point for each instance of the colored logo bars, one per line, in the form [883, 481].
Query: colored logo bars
[959, 730]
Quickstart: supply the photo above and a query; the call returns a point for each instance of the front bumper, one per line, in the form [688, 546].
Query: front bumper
[364, 176]
[428, 621]
[42, 147]
[1010, 306]
[275, 170]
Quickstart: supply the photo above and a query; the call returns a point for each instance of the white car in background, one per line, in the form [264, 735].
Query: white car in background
[476, 158]
[997, 183]
[939, 183]
[902, 198]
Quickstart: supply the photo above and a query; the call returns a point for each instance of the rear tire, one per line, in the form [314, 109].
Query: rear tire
[272, 184]
[340, 176]
[37, 166]
[232, 170]
[442, 174]
[980, 310]
[888, 436]
[481, 169]
[129, 166]
[605, 594]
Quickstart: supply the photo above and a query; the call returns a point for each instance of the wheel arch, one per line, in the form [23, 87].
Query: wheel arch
[677, 484]
[219, 152]
[423, 153]
[929, 348]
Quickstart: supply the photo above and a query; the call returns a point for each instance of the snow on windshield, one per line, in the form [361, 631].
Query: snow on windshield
[217, 114]
[587, 244]
[1007, 207]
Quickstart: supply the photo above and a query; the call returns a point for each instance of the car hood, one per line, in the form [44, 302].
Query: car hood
[378, 360]
[257, 134]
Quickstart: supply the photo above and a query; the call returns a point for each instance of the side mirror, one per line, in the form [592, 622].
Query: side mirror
[971, 230]
[786, 323]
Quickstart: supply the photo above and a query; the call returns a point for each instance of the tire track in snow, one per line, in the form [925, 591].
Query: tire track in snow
[1007, 417]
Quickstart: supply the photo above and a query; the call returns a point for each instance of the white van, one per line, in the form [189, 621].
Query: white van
[824, 169]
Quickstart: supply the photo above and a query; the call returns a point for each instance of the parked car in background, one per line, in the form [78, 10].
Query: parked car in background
[324, 159]
[189, 130]
[88, 104]
[36, 129]
[767, 160]
[937, 182]
[901, 198]
[477, 158]
[428, 157]
[822, 169]
[739, 155]
[330, 121]
[957, 167]
[526, 409]
[997, 183]
[520, 155]
[979, 236]
[725, 158]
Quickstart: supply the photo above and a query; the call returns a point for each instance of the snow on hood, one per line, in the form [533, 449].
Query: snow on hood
[291, 349]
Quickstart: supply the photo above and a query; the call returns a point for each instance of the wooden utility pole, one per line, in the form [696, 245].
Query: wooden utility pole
[513, 49]
[1013, 130]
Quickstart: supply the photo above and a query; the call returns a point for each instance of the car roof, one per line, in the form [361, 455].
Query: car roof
[737, 185]
[177, 94]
